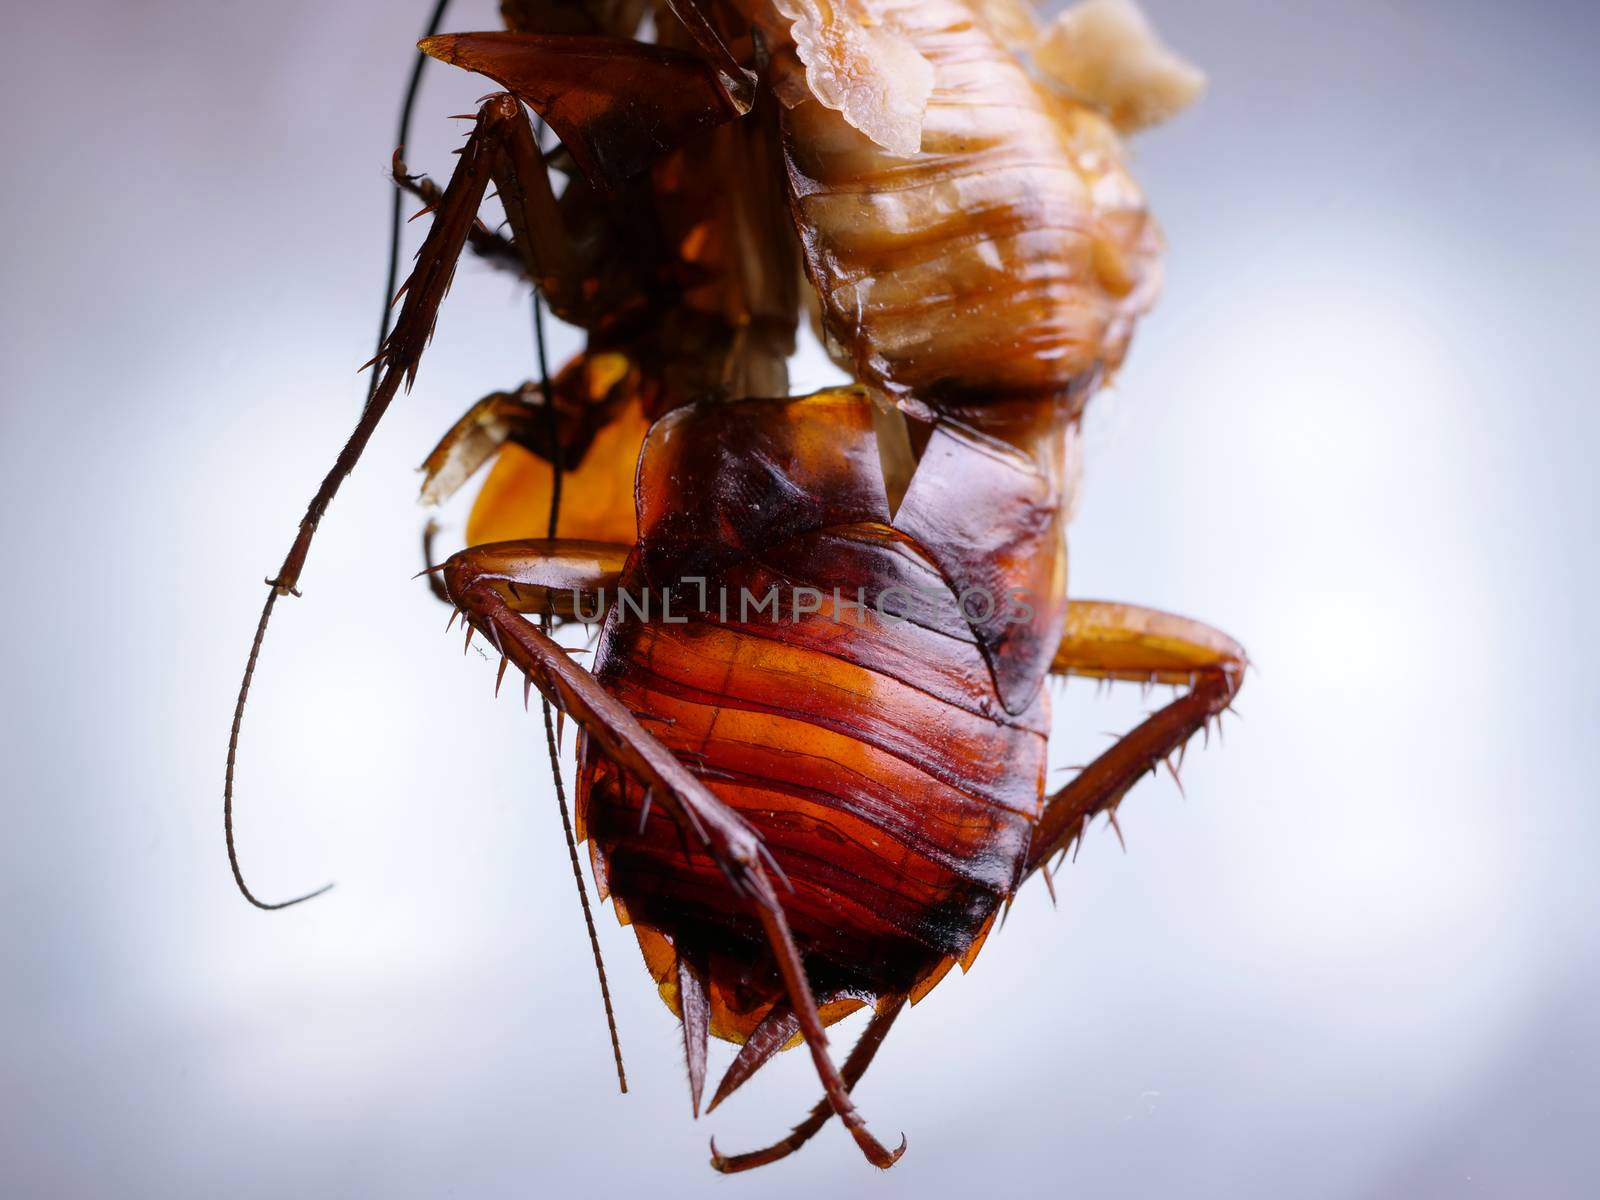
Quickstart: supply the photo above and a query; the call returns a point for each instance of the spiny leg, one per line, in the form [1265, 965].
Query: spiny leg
[413, 87]
[595, 93]
[495, 249]
[854, 1068]
[561, 576]
[430, 531]
[489, 585]
[501, 148]
[1123, 641]
[397, 361]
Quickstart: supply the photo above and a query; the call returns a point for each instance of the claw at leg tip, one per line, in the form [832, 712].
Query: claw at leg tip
[893, 1158]
[902, 1148]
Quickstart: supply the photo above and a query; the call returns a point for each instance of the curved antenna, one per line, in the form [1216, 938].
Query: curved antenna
[233, 750]
[412, 88]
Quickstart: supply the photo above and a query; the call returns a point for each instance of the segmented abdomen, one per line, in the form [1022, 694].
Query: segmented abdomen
[870, 754]
[1010, 256]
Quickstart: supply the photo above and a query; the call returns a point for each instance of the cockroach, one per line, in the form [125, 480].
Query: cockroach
[804, 799]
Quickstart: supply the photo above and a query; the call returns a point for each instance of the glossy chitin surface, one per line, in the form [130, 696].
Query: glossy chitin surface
[978, 254]
[872, 754]
[812, 745]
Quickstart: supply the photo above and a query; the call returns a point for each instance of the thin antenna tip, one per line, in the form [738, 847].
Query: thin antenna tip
[282, 904]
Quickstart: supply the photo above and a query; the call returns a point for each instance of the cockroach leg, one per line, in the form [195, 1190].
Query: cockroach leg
[557, 575]
[397, 361]
[854, 1067]
[593, 92]
[498, 418]
[739, 83]
[493, 248]
[430, 532]
[1111, 641]
[423, 291]
[584, 400]
[1124, 642]
[476, 580]
[501, 147]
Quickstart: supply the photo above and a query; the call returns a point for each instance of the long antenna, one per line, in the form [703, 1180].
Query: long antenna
[554, 425]
[412, 88]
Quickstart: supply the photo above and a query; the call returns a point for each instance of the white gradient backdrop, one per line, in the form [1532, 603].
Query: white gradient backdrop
[1361, 958]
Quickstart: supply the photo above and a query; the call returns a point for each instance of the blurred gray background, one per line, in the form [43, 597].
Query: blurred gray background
[1361, 959]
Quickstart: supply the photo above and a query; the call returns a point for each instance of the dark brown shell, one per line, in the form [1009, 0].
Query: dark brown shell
[873, 755]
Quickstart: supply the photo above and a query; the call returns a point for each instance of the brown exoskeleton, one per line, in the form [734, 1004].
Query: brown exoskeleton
[804, 815]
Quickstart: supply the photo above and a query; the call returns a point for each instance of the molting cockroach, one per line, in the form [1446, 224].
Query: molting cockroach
[824, 808]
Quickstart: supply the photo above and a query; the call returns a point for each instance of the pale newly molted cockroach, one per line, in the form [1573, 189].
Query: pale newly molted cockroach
[811, 751]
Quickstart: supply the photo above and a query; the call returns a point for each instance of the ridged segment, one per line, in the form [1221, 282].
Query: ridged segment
[899, 813]
[1009, 257]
